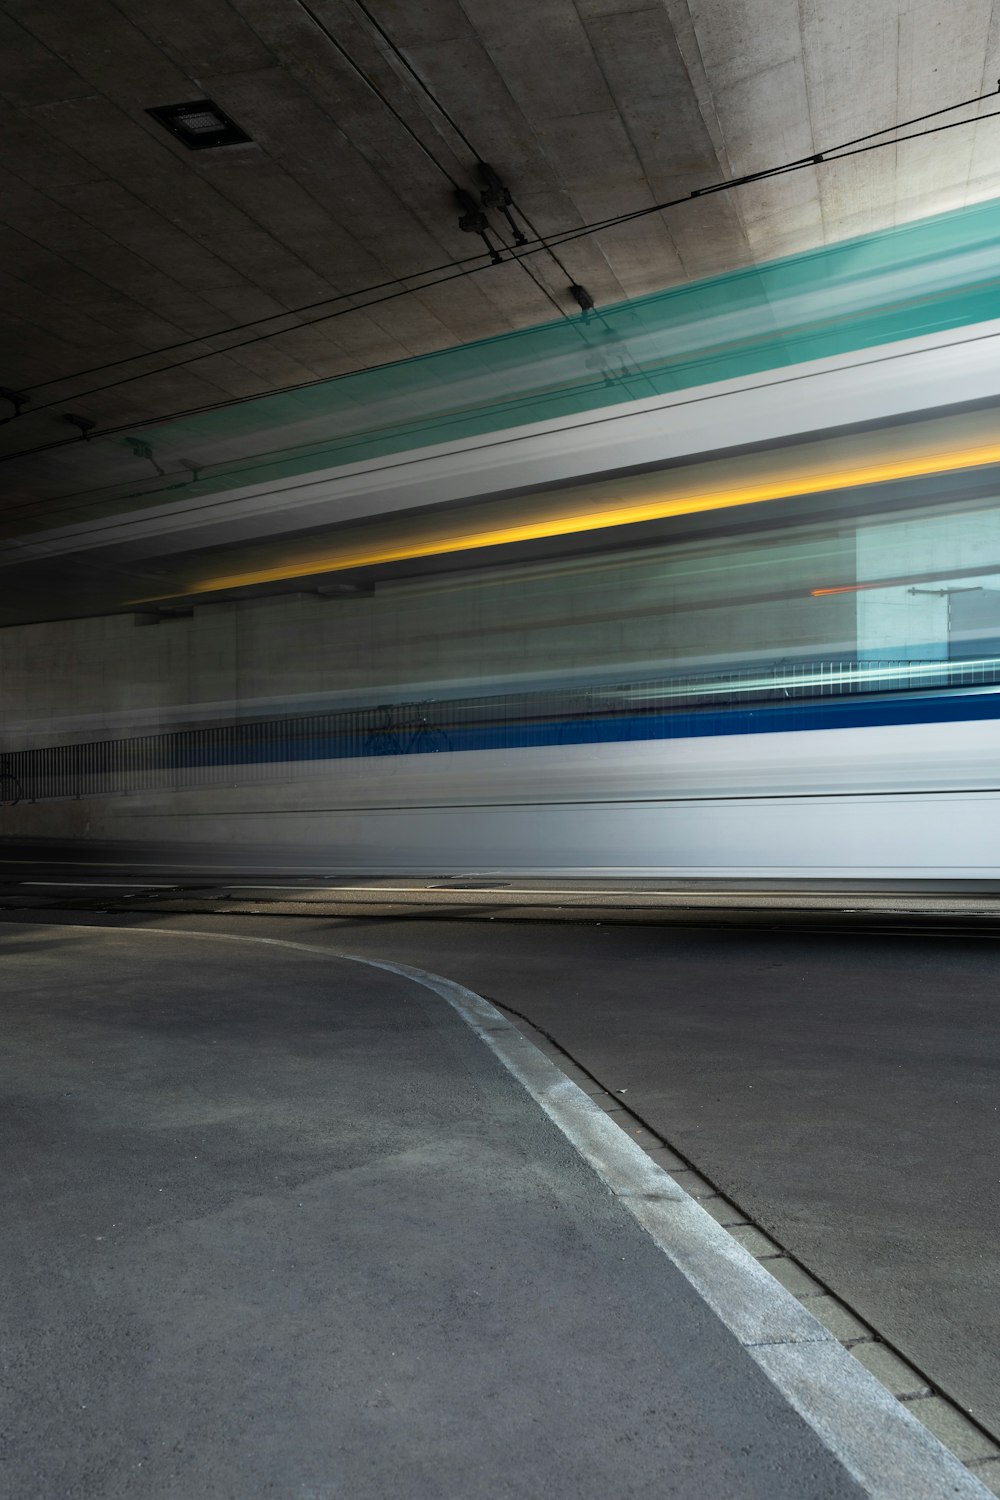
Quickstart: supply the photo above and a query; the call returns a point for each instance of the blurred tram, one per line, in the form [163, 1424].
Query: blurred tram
[780, 662]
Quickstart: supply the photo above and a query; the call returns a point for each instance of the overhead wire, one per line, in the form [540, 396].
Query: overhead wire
[387, 102]
[397, 52]
[832, 153]
[227, 401]
[858, 145]
[826, 157]
[220, 333]
[377, 26]
[463, 267]
[310, 306]
[356, 67]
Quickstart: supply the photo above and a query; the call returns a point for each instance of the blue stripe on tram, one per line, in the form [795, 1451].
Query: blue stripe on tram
[867, 711]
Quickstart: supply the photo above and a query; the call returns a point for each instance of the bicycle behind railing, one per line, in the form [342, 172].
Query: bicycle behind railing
[404, 729]
[11, 790]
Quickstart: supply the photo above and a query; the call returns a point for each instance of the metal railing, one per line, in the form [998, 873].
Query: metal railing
[268, 749]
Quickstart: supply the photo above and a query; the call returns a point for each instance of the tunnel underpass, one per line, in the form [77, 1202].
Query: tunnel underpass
[499, 743]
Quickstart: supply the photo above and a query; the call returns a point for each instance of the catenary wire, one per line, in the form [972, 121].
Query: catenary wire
[384, 99]
[820, 158]
[829, 155]
[321, 26]
[522, 253]
[446, 114]
[546, 292]
[462, 268]
[288, 312]
[832, 153]
[376, 24]
[463, 263]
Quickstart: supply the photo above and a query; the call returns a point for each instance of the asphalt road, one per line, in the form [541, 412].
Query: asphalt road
[279, 1225]
[842, 1088]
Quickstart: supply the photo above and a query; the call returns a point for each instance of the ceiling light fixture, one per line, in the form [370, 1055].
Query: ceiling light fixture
[201, 124]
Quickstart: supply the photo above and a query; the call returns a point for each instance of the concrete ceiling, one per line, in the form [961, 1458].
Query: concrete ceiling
[117, 241]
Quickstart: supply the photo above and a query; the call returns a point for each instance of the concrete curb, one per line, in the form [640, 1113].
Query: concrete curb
[883, 1447]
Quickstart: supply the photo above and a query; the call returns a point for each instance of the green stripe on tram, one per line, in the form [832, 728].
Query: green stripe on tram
[916, 279]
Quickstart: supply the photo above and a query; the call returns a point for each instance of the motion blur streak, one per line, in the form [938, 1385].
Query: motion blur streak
[857, 588]
[812, 692]
[935, 448]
